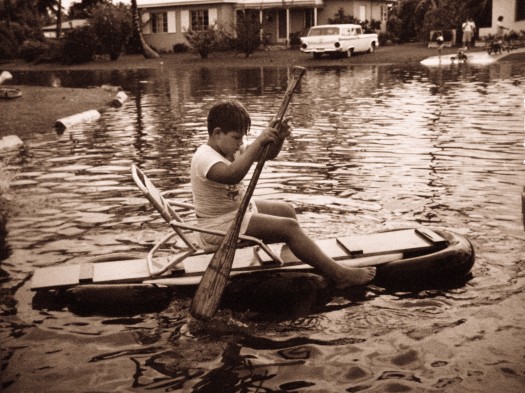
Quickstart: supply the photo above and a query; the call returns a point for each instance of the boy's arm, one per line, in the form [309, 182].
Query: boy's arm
[236, 171]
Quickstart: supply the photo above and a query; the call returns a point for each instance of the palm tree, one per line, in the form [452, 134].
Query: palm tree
[137, 37]
[59, 18]
[7, 5]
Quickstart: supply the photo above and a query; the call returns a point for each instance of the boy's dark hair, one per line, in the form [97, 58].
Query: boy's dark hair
[229, 115]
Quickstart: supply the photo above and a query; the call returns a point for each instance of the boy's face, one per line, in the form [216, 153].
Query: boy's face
[229, 142]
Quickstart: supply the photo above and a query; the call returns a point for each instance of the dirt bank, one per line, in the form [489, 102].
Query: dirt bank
[39, 108]
[278, 57]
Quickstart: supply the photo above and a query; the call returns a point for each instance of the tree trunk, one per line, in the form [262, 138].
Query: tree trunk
[7, 5]
[137, 37]
[59, 19]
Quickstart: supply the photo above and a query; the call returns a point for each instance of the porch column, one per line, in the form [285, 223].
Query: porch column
[315, 16]
[287, 27]
[261, 36]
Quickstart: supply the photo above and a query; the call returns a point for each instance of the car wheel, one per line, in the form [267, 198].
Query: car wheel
[372, 47]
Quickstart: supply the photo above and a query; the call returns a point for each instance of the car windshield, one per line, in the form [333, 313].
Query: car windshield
[323, 31]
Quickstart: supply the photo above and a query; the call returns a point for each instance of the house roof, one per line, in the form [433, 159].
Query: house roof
[70, 24]
[245, 3]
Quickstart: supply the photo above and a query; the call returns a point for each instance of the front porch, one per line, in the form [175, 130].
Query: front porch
[278, 24]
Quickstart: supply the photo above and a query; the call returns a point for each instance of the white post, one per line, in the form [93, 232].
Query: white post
[287, 27]
[315, 16]
[261, 31]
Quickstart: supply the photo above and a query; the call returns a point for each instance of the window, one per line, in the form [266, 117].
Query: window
[384, 13]
[199, 20]
[159, 22]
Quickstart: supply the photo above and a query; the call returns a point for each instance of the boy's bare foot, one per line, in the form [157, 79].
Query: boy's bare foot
[355, 276]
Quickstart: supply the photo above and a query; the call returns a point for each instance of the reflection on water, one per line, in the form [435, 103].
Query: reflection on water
[372, 148]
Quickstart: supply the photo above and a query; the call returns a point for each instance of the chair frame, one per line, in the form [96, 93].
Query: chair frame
[169, 214]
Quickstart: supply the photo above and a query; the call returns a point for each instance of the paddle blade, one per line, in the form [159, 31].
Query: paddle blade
[210, 290]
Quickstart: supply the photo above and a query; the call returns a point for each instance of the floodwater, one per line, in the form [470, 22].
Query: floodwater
[373, 147]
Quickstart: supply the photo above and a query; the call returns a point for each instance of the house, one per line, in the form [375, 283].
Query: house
[51, 30]
[165, 21]
[513, 12]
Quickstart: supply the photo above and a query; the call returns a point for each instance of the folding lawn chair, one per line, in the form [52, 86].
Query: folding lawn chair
[182, 229]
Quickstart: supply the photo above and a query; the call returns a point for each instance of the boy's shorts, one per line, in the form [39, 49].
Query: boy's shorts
[209, 242]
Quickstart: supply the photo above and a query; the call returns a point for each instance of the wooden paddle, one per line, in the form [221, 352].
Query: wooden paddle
[211, 287]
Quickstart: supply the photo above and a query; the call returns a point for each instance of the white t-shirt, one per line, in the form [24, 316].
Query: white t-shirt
[212, 199]
[468, 27]
[216, 204]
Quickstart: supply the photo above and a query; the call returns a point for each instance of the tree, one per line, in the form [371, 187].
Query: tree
[248, 29]
[418, 17]
[112, 26]
[137, 40]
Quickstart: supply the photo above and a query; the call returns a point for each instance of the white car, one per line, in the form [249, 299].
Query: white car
[344, 39]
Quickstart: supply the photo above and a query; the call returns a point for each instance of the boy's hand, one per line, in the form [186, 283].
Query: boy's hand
[275, 132]
[284, 127]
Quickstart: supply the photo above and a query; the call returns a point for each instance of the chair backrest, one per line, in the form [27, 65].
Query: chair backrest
[170, 215]
[159, 202]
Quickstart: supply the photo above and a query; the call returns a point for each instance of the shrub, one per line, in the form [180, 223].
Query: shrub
[341, 18]
[386, 38]
[203, 41]
[295, 39]
[79, 46]
[32, 50]
[112, 26]
[180, 48]
[8, 44]
[53, 53]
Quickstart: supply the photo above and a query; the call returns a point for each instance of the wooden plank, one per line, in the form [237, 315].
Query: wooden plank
[431, 236]
[406, 240]
[121, 271]
[55, 276]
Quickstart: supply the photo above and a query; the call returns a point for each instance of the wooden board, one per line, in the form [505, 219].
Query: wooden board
[356, 251]
[71, 275]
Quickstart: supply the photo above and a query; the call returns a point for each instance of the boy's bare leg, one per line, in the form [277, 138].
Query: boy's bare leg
[273, 229]
[276, 208]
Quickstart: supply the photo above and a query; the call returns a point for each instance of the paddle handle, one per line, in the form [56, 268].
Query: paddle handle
[209, 292]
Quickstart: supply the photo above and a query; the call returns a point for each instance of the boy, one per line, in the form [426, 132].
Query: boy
[217, 170]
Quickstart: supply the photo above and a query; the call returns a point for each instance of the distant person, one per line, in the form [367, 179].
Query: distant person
[469, 28]
[500, 29]
[440, 40]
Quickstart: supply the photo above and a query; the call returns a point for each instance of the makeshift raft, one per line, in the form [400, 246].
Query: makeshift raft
[403, 257]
